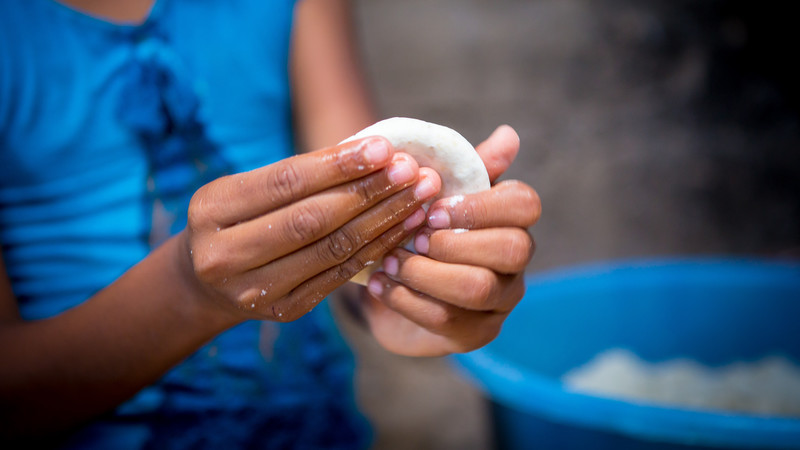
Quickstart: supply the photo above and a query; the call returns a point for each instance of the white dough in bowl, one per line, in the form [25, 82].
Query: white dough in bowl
[438, 147]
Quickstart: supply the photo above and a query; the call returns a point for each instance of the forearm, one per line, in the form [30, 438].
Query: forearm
[330, 95]
[60, 371]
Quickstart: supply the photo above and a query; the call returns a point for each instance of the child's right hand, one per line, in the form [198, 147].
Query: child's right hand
[273, 242]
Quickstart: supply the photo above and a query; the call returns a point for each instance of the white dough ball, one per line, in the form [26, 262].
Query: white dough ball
[438, 147]
[441, 148]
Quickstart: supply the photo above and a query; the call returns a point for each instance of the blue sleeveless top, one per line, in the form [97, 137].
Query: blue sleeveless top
[106, 130]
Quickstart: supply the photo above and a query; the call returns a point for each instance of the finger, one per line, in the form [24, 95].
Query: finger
[304, 297]
[503, 250]
[507, 204]
[499, 150]
[465, 329]
[256, 242]
[404, 208]
[470, 287]
[399, 335]
[240, 197]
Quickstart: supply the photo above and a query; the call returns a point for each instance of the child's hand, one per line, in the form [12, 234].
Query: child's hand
[273, 242]
[468, 276]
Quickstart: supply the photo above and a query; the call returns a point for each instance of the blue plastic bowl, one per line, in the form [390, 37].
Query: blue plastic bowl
[713, 311]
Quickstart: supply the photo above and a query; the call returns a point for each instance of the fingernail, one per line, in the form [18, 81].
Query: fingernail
[401, 172]
[422, 243]
[391, 265]
[439, 218]
[375, 287]
[376, 151]
[414, 220]
[424, 189]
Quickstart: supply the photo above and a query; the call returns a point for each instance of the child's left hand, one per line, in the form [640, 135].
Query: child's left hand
[468, 275]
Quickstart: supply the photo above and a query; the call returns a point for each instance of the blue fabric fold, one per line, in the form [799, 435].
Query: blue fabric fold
[160, 104]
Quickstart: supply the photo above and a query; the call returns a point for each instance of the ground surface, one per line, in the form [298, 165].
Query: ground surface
[664, 128]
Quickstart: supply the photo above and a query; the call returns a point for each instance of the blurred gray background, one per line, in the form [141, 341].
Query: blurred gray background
[648, 129]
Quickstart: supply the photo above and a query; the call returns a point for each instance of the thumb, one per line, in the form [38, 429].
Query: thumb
[499, 150]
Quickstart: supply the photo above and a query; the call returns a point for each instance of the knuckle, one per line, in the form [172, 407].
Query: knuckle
[343, 165]
[518, 250]
[199, 213]
[398, 207]
[518, 289]
[390, 240]
[441, 319]
[512, 293]
[475, 210]
[339, 245]
[284, 182]
[368, 189]
[376, 247]
[209, 265]
[531, 204]
[306, 223]
[443, 246]
[479, 288]
[349, 268]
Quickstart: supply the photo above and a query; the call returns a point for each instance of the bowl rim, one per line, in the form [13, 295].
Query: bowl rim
[525, 391]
